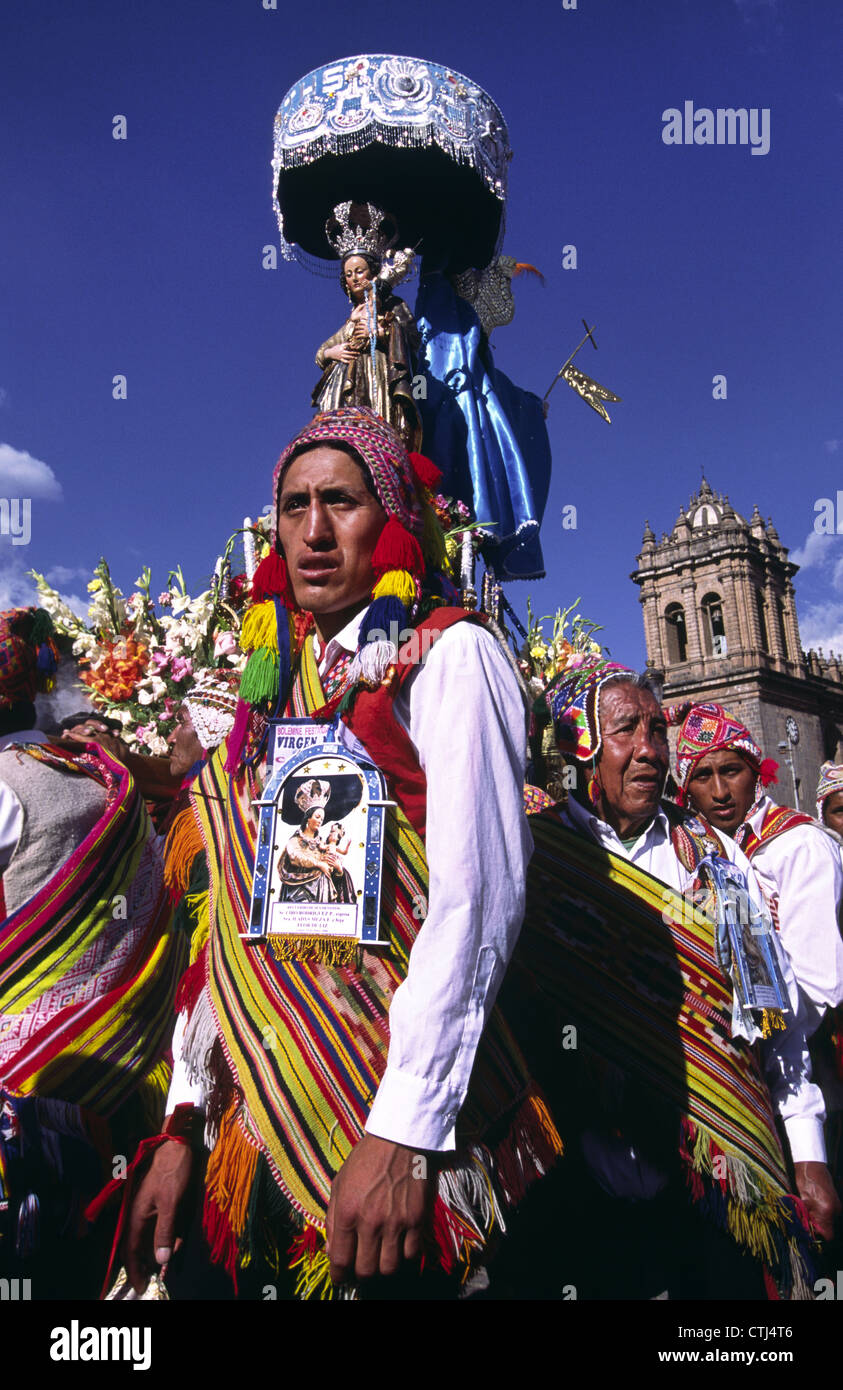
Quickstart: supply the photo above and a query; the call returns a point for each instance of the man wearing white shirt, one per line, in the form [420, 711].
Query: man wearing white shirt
[722, 774]
[458, 719]
[654, 1032]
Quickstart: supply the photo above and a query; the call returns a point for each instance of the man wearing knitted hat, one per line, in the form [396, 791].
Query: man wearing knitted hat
[393, 1082]
[629, 978]
[722, 772]
[203, 720]
[87, 965]
[830, 797]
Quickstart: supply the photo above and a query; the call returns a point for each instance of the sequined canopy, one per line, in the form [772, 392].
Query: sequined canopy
[406, 134]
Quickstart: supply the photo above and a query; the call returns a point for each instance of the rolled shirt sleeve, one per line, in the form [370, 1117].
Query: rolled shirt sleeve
[465, 715]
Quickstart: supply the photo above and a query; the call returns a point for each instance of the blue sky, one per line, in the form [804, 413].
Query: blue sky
[143, 257]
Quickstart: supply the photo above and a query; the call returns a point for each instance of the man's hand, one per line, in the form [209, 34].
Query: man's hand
[376, 1214]
[155, 1221]
[815, 1187]
[93, 733]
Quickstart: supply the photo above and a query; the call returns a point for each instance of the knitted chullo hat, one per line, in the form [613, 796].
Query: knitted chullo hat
[410, 551]
[574, 702]
[706, 729]
[211, 704]
[831, 780]
[29, 656]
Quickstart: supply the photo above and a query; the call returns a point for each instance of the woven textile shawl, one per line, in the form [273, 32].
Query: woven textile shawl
[777, 820]
[307, 1041]
[650, 1005]
[86, 990]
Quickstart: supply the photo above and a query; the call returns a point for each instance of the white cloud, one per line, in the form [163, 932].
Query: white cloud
[21, 475]
[821, 626]
[832, 445]
[816, 550]
[17, 590]
[65, 574]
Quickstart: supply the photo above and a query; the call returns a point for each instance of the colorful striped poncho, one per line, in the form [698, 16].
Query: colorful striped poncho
[304, 1044]
[88, 969]
[617, 955]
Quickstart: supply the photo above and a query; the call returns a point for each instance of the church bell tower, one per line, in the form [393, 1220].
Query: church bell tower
[720, 625]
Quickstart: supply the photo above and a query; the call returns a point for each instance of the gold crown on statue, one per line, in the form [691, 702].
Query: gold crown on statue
[312, 794]
[358, 229]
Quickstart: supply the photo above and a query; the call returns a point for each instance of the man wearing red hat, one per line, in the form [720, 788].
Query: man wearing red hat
[665, 1023]
[722, 772]
[367, 1104]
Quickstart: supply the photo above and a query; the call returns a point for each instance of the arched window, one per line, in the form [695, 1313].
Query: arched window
[714, 628]
[677, 635]
[761, 610]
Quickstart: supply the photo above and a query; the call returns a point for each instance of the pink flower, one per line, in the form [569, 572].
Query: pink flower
[165, 599]
[182, 666]
[225, 644]
[160, 659]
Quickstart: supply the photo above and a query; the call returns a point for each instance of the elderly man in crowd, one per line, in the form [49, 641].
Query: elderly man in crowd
[394, 1084]
[674, 1183]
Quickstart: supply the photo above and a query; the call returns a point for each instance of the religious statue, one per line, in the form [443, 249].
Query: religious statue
[370, 360]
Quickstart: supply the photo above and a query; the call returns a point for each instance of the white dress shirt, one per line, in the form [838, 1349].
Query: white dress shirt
[463, 711]
[801, 872]
[787, 1064]
[11, 811]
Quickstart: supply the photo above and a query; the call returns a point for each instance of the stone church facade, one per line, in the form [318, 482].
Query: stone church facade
[720, 624]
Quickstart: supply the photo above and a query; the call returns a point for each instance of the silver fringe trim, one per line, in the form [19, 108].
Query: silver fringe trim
[199, 1037]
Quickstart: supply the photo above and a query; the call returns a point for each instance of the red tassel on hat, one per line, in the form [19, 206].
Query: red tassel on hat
[426, 471]
[767, 771]
[271, 580]
[397, 550]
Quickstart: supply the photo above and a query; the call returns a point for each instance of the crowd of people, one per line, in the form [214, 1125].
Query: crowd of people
[597, 1047]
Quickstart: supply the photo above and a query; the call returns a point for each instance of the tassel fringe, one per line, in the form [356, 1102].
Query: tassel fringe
[259, 628]
[183, 844]
[229, 1180]
[372, 663]
[773, 1229]
[398, 584]
[329, 950]
[199, 1038]
[261, 675]
[397, 550]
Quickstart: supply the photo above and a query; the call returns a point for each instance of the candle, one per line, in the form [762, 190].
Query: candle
[249, 547]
